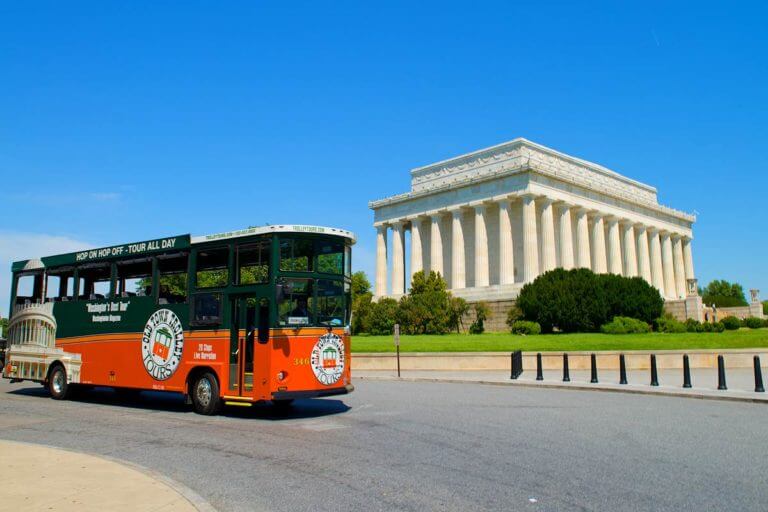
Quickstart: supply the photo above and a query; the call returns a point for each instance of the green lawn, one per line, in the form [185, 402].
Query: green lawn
[503, 342]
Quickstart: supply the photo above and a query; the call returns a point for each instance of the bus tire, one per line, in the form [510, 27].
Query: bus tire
[57, 383]
[205, 394]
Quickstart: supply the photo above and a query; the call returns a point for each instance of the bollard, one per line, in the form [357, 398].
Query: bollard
[721, 373]
[517, 364]
[758, 377]
[539, 371]
[566, 371]
[622, 370]
[594, 369]
[686, 372]
[512, 365]
[654, 373]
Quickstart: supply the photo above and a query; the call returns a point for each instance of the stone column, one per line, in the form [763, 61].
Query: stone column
[398, 258]
[481, 247]
[458, 273]
[584, 259]
[566, 237]
[688, 259]
[679, 266]
[630, 252]
[548, 248]
[530, 240]
[599, 263]
[614, 247]
[643, 256]
[417, 260]
[381, 260]
[657, 271]
[506, 249]
[436, 246]
[667, 265]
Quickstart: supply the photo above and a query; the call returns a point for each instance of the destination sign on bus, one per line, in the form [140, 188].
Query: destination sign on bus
[159, 244]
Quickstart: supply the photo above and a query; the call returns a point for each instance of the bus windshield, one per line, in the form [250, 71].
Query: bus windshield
[304, 302]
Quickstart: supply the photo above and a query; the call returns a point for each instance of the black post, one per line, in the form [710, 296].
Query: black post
[758, 376]
[721, 373]
[654, 373]
[686, 372]
[512, 365]
[593, 360]
[398, 360]
[566, 371]
[539, 371]
[517, 364]
[622, 370]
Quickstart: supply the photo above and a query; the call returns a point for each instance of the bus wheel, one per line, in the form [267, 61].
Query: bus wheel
[57, 383]
[205, 394]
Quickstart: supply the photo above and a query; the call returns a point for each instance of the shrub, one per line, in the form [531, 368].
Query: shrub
[481, 315]
[624, 325]
[718, 327]
[692, 325]
[731, 323]
[754, 322]
[525, 327]
[579, 300]
[706, 327]
[382, 316]
[457, 308]
[668, 324]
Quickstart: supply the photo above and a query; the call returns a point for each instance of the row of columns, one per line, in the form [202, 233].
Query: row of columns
[662, 258]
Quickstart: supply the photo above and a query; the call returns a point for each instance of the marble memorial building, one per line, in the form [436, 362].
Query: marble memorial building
[494, 219]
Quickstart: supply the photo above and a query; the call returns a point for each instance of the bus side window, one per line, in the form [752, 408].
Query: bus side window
[60, 285]
[172, 282]
[97, 280]
[134, 278]
[263, 325]
[26, 286]
[213, 267]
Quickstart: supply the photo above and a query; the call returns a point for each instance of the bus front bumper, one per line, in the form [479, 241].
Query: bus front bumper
[315, 393]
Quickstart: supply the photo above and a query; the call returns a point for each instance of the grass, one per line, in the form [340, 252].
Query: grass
[504, 342]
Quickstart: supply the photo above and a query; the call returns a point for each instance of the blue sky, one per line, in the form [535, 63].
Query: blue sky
[121, 121]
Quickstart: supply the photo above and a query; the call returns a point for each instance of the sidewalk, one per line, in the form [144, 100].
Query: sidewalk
[740, 382]
[41, 478]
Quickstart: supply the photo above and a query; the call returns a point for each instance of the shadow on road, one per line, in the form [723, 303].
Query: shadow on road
[174, 402]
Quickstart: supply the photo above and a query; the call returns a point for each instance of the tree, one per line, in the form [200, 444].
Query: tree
[4, 327]
[426, 308]
[382, 316]
[765, 307]
[457, 309]
[581, 301]
[362, 303]
[723, 294]
[360, 283]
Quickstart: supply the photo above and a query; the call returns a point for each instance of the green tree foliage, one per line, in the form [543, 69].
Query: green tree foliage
[524, 327]
[362, 303]
[723, 294]
[457, 309]
[426, 308]
[4, 326]
[382, 317]
[731, 323]
[765, 307]
[579, 300]
[482, 311]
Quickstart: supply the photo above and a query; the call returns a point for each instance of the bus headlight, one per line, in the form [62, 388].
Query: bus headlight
[280, 376]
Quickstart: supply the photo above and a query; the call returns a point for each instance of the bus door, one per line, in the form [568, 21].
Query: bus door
[247, 328]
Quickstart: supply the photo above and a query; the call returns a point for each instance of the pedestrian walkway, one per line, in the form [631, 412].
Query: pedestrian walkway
[40, 478]
[740, 382]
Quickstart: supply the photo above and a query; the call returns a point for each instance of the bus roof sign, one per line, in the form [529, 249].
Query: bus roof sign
[116, 251]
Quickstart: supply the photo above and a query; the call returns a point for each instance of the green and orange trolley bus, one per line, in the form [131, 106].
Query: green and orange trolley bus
[259, 314]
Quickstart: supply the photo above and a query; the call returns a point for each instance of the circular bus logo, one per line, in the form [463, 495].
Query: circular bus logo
[327, 359]
[162, 344]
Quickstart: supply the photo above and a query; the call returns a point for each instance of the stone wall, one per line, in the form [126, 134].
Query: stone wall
[497, 320]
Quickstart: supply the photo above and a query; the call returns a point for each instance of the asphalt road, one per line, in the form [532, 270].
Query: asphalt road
[425, 446]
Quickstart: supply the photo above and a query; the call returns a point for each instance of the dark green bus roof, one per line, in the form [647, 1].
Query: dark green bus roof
[155, 245]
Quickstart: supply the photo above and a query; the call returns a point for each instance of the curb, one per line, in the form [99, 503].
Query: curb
[605, 388]
[188, 494]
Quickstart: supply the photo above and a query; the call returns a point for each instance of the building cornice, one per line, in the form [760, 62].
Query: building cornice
[519, 156]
